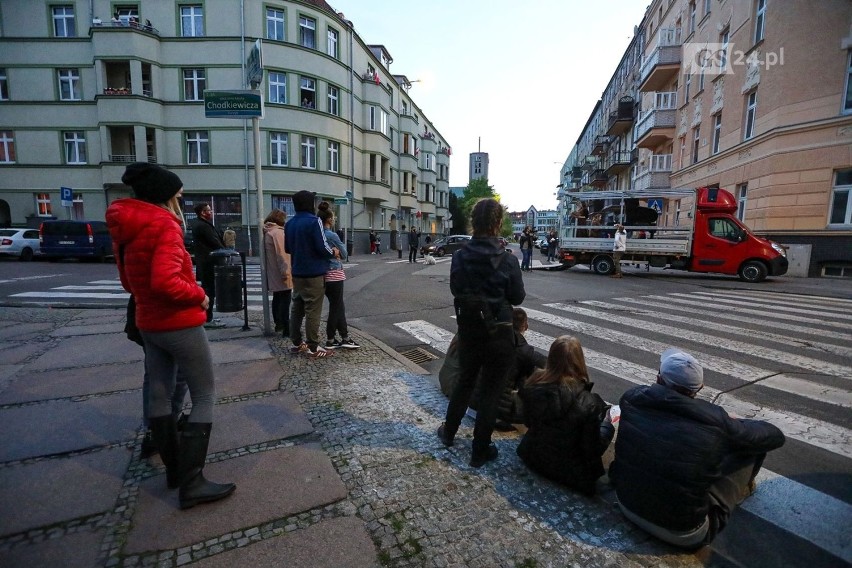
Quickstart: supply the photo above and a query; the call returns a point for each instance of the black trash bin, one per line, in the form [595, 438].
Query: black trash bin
[229, 280]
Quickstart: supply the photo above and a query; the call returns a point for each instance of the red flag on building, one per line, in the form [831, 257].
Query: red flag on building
[376, 78]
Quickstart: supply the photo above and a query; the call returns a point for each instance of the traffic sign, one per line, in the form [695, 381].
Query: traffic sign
[254, 65]
[656, 204]
[348, 194]
[233, 104]
[66, 195]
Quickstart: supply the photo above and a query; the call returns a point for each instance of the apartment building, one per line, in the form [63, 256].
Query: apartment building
[753, 96]
[87, 86]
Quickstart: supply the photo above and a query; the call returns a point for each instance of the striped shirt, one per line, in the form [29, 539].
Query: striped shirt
[335, 275]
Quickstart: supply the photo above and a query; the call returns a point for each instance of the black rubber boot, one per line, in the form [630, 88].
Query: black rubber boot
[164, 432]
[194, 489]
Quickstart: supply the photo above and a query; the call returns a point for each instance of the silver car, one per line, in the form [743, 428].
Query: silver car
[22, 243]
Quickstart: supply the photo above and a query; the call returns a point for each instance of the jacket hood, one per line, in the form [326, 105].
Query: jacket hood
[270, 226]
[487, 246]
[126, 218]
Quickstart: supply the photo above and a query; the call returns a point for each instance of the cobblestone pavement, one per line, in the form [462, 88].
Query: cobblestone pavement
[420, 502]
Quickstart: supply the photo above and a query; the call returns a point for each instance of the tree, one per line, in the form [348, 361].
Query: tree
[478, 189]
[459, 220]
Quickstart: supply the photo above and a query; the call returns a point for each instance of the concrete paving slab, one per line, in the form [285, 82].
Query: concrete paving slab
[235, 379]
[64, 425]
[234, 331]
[257, 420]
[24, 331]
[7, 372]
[76, 550]
[62, 383]
[100, 317]
[97, 329]
[249, 349]
[270, 485]
[57, 490]
[11, 352]
[329, 544]
[88, 350]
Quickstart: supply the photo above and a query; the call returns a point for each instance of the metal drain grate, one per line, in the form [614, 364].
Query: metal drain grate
[418, 355]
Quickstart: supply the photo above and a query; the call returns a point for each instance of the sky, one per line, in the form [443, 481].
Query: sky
[522, 76]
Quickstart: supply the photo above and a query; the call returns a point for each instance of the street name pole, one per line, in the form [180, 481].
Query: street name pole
[258, 182]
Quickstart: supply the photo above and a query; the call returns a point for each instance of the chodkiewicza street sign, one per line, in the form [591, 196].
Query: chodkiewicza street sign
[233, 104]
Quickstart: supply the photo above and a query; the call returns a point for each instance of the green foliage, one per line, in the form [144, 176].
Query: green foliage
[477, 189]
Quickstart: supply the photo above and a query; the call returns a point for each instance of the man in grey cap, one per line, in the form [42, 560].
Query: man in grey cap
[682, 464]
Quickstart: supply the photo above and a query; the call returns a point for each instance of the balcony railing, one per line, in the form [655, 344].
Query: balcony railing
[600, 145]
[126, 24]
[661, 116]
[617, 162]
[656, 174]
[666, 52]
[129, 158]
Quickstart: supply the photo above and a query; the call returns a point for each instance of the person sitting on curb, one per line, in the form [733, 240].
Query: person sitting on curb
[682, 465]
[569, 427]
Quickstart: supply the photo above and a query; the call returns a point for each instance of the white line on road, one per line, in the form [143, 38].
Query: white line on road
[57, 295]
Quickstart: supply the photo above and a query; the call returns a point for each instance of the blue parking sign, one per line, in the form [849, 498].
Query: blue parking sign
[66, 195]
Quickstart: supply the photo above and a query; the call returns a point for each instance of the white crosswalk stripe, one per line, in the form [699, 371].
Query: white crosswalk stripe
[627, 328]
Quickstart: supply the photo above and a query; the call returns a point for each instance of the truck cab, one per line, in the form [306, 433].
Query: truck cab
[721, 243]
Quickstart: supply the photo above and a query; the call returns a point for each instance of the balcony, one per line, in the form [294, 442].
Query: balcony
[617, 163]
[598, 177]
[622, 119]
[663, 64]
[600, 145]
[126, 23]
[576, 173]
[657, 125]
[656, 175]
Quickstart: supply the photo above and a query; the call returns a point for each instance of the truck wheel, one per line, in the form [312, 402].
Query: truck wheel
[603, 264]
[753, 271]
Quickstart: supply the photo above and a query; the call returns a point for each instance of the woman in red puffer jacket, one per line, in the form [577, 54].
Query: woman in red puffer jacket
[171, 307]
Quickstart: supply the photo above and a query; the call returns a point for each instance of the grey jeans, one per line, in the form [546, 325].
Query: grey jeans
[188, 350]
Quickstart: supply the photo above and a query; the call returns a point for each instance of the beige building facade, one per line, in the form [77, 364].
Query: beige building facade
[87, 86]
[754, 96]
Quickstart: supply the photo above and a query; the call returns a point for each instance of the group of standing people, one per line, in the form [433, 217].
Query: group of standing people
[527, 244]
[681, 465]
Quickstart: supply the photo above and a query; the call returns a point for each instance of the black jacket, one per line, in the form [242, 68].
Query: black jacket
[566, 437]
[669, 450]
[484, 270]
[205, 239]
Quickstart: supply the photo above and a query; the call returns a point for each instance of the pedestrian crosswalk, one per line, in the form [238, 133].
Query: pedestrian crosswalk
[783, 358]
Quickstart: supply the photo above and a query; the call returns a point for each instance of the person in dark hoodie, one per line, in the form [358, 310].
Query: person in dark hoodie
[485, 283]
[310, 252]
[569, 427]
[171, 307]
[682, 465]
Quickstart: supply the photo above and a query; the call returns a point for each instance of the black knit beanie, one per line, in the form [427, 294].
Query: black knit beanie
[151, 183]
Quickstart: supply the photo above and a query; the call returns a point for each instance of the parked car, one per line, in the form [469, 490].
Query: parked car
[75, 239]
[445, 245]
[22, 243]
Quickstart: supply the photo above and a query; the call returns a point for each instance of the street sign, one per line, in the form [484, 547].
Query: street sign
[348, 194]
[66, 195]
[233, 104]
[656, 204]
[340, 201]
[254, 65]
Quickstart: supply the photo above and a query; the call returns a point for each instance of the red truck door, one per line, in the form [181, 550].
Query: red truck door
[717, 245]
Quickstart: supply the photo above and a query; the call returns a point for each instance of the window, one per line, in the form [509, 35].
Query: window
[77, 207]
[307, 32]
[374, 113]
[707, 6]
[725, 229]
[742, 191]
[332, 43]
[279, 148]
[751, 111]
[847, 100]
[687, 82]
[197, 147]
[63, 21]
[277, 87]
[724, 39]
[759, 20]
[42, 202]
[308, 92]
[69, 84]
[7, 147]
[333, 156]
[682, 151]
[275, 24]
[701, 78]
[191, 21]
[696, 140]
[309, 152]
[692, 11]
[717, 132]
[841, 199]
[333, 98]
[75, 147]
[383, 122]
[194, 83]
[4, 86]
[125, 13]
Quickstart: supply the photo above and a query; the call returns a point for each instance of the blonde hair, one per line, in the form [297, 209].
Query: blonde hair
[566, 364]
[173, 205]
